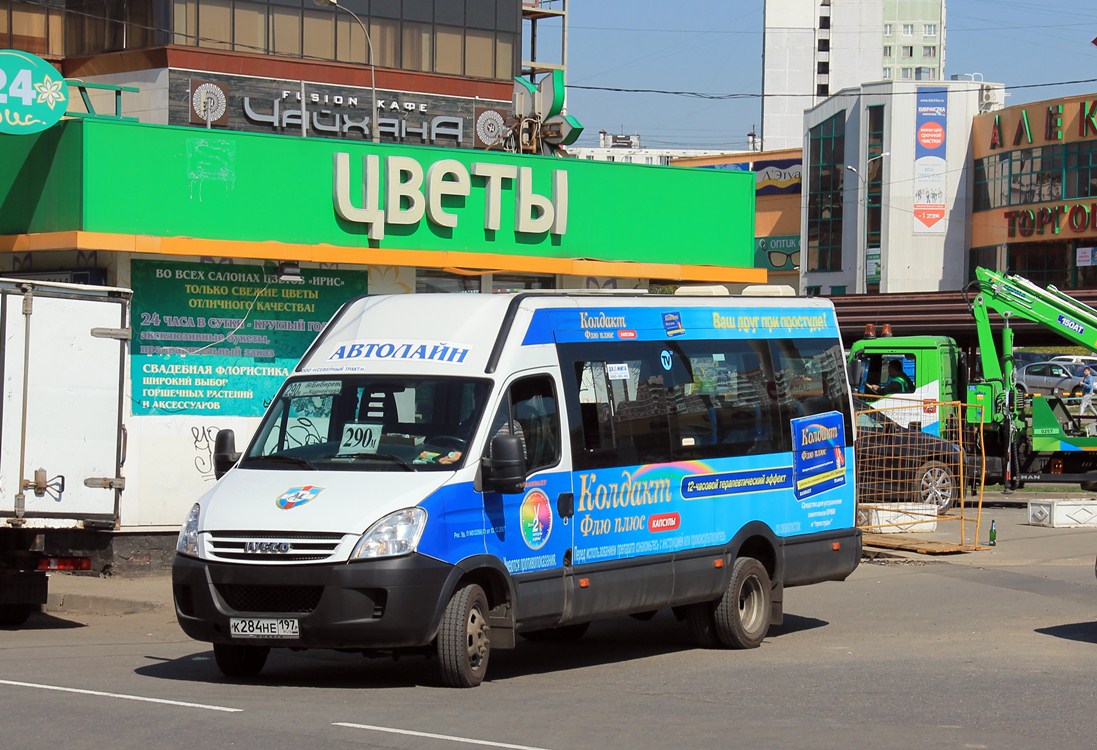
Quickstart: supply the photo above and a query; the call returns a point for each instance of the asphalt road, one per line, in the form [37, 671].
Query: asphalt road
[991, 649]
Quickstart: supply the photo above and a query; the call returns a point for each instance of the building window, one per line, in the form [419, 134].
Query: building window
[822, 68]
[888, 29]
[826, 172]
[285, 29]
[249, 27]
[887, 50]
[479, 46]
[431, 280]
[822, 89]
[906, 52]
[929, 51]
[837, 291]
[824, 45]
[424, 35]
[874, 179]
[1081, 169]
[908, 29]
[417, 47]
[929, 29]
[925, 74]
[906, 73]
[812, 291]
[887, 74]
[824, 22]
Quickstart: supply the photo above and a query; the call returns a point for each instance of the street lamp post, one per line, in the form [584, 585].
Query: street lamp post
[372, 70]
[860, 283]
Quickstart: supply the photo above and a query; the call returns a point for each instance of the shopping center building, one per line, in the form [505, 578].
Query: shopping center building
[1035, 191]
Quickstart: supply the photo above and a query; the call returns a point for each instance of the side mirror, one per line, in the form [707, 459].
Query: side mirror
[505, 470]
[224, 452]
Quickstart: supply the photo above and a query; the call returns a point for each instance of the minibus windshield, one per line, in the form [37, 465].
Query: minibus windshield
[369, 423]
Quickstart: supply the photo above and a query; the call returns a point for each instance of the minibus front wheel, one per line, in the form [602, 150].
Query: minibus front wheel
[743, 612]
[463, 642]
[236, 660]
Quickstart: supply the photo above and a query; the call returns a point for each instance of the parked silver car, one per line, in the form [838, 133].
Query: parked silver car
[1051, 379]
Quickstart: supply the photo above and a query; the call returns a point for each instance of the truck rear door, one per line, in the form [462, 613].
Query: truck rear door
[62, 438]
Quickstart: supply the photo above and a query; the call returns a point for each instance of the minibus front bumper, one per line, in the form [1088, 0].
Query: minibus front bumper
[375, 604]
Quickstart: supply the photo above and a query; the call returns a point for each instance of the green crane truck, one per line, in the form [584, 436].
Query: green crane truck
[1023, 440]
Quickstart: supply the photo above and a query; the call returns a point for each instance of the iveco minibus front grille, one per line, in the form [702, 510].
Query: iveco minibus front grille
[246, 597]
[268, 547]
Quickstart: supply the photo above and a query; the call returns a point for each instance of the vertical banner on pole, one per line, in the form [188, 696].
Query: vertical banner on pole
[930, 176]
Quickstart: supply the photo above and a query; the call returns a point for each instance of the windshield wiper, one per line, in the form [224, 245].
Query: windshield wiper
[281, 458]
[391, 458]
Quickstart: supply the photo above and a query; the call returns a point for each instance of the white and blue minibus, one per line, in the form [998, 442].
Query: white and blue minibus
[443, 473]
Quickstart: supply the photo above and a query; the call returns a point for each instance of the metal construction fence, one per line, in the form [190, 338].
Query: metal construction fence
[919, 471]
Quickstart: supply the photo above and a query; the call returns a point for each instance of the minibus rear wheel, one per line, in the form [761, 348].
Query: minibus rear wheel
[743, 612]
[701, 621]
[463, 644]
[235, 660]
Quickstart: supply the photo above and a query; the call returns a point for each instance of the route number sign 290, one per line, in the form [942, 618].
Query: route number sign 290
[33, 95]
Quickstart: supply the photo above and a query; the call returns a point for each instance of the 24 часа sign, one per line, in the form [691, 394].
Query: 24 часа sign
[33, 95]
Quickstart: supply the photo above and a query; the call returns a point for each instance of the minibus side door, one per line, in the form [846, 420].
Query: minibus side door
[531, 531]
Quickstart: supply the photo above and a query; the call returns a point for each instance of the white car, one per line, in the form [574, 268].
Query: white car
[1076, 360]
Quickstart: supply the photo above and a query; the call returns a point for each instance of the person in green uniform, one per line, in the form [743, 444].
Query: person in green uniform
[897, 382]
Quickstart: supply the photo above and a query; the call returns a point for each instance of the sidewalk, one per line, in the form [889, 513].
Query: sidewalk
[117, 595]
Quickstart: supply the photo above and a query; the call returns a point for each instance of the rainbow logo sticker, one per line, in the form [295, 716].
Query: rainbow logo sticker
[536, 519]
[295, 496]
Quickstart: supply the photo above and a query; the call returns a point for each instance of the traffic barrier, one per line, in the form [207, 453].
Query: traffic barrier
[919, 471]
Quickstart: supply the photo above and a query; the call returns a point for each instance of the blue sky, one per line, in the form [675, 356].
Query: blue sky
[715, 47]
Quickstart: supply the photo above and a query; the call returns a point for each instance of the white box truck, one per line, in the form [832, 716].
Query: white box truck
[62, 437]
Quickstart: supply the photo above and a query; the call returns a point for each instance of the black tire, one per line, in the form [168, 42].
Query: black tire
[701, 621]
[463, 643]
[562, 634]
[935, 483]
[742, 615]
[14, 615]
[235, 660]
[1089, 486]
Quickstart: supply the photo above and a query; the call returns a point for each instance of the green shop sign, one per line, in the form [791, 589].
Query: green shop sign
[33, 95]
[173, 182]
[219, 339]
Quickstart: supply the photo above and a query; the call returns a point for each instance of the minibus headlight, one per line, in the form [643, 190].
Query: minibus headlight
[396, 534]
[188, 536]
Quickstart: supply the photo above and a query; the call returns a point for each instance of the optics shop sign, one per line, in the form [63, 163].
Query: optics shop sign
[33, 95]
[259, 105]
[219, 339]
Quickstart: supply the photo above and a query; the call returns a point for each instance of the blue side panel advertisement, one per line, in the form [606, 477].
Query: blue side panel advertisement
[663, 508]
[625, 512]
[569, 325]
[818, 454]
